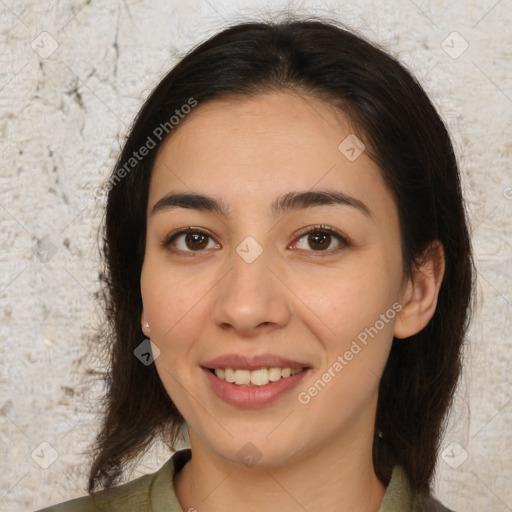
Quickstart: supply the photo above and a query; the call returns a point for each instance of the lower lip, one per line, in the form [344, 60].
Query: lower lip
[253, 396]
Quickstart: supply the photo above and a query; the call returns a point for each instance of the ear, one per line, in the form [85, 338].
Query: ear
[143, 324]
[420, 292]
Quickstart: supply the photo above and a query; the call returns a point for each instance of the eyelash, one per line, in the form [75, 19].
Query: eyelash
[343, 240]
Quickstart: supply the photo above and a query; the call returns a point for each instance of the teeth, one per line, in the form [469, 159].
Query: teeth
[274, 374]
[286, 372]
[258, 377]
[242, 377]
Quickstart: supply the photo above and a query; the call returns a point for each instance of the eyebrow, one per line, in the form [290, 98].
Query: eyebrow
[284, 204]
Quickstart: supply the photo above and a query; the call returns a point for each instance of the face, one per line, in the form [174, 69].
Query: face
[311, 281]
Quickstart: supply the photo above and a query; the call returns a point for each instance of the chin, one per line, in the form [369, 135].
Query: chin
[256, 451]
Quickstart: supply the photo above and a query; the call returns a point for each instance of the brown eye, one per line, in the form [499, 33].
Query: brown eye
[320, 239]
[195, 241]
[189, 240]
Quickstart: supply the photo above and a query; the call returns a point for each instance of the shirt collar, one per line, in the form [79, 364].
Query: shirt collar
[398, 496]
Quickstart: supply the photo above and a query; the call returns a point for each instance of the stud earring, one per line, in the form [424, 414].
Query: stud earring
[147, 326]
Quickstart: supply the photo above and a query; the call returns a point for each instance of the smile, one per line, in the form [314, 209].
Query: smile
[260, 377]
[241, 391]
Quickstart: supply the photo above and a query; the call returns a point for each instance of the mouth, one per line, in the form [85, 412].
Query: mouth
[254, 378]
[257, 388]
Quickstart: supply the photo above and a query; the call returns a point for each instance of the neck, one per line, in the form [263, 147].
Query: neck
[338, 476]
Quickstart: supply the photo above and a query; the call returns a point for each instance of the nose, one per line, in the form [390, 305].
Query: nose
[251, 299]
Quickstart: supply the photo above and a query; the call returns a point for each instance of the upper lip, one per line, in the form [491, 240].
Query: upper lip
[255, 362]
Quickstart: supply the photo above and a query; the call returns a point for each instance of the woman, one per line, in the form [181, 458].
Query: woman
[285, 224]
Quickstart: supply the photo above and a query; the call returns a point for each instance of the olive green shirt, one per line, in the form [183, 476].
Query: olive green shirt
[155, 493]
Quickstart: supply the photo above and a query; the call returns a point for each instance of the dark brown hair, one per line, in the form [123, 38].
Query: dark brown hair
[403, 134]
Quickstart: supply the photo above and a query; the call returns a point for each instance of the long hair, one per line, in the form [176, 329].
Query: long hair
[409, 142]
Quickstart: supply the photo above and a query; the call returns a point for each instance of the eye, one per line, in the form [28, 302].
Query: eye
[189, 240]
[320, 238]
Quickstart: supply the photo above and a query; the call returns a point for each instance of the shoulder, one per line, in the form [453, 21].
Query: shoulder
[400, 497]
[428, 504]
[144, 494]
[128, 497]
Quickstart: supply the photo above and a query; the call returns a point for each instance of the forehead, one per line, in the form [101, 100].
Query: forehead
[261, 147]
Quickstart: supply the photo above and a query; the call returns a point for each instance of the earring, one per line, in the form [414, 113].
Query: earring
[147, 326]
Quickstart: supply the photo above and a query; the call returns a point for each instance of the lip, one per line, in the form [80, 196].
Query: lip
[255, 362]
[253, 396]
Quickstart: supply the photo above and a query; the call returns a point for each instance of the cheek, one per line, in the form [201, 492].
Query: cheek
[175, 307]
[356, 349]
[344, 304]
[174, 304]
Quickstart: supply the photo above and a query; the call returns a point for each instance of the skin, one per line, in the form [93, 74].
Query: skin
[291, 301]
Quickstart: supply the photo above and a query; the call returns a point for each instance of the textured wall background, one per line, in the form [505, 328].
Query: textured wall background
[72, 77]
